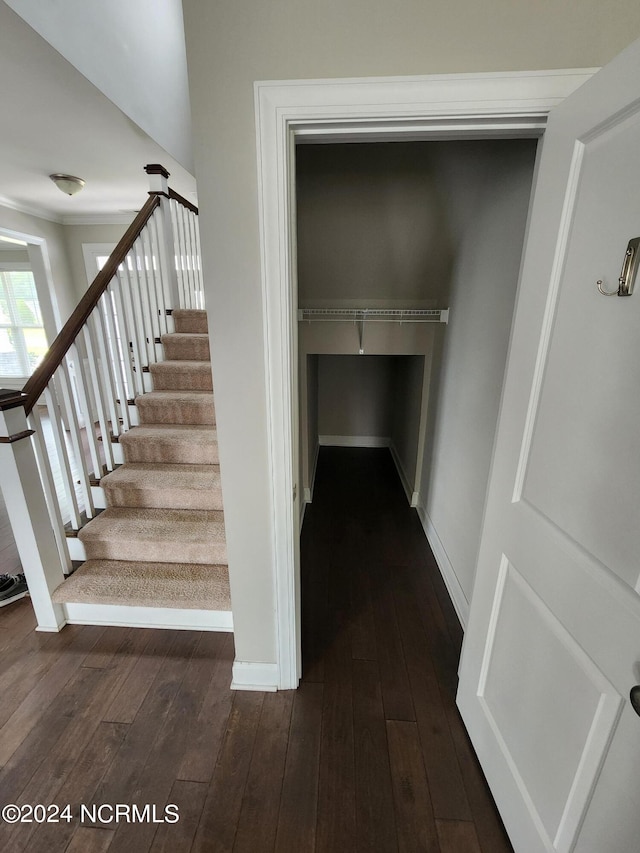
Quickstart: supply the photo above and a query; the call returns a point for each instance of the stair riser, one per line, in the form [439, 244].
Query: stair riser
[164, 498]
[189, 454]
[185, 349]
[156, 552]
[191, 325]
[177, 380]
[163, 412]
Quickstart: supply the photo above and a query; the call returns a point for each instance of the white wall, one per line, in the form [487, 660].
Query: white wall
[131, 50]
[488, 203]
[229, 46]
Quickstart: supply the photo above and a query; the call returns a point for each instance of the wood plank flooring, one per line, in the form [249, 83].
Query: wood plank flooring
[369, 754]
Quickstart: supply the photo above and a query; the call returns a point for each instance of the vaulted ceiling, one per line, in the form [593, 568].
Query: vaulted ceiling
[53, 119]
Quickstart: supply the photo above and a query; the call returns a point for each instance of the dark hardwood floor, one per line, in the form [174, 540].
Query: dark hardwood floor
[368, 755]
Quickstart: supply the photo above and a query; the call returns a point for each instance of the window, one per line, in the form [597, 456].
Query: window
[23, 342]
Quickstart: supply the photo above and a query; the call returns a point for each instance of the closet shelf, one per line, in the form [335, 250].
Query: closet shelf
[380, 315]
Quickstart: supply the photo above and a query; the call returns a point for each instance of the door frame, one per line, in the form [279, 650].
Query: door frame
[435, 107]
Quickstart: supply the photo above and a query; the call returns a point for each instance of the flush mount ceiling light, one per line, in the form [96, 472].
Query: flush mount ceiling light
[67, 183]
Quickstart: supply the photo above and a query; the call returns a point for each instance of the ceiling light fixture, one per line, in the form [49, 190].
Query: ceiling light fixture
[67, 183]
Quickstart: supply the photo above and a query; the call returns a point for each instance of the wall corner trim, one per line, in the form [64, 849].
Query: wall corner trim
[449, 576]
[248, 675]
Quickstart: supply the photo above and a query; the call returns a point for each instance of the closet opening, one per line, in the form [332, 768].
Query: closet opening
[414, 226]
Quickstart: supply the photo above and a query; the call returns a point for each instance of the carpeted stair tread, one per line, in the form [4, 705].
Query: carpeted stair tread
[178, 585]
[158, 484]
[176, 407]
[173, 443]
[182, 376]
[186, 347]
[190, 320]
[156, 535]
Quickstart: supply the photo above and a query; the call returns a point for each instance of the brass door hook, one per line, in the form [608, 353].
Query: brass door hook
[627, 276]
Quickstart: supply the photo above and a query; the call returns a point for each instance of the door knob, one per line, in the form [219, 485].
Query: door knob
[635, 698]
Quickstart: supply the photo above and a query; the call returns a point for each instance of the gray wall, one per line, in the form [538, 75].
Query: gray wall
[372, 226]
[355, 396]
[229, 46]
[488, 216]
[75, 236]
[64, 291]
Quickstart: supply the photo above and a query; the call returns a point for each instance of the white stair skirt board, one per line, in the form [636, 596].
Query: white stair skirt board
[76, 548]
[255, 676]
[412, 497]
[116, 450]
[148, 617]
[134, 419]
[354, 441]
[449, 577]
[99, 497]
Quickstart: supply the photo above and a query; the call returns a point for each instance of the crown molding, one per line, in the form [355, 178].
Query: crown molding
[99, 219]
[38, 212]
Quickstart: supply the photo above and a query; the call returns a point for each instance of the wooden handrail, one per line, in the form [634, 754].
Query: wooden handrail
[177, 197]
[71, 329]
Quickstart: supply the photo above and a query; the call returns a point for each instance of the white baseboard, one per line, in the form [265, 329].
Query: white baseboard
[148, 617]
[354, 441]
[248, 675]
[412, 497]
[446, 569]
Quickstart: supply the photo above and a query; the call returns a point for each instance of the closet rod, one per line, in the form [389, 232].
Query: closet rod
[380, 315]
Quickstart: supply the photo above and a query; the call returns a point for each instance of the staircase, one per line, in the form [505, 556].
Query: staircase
[109, 454]
[160, 542]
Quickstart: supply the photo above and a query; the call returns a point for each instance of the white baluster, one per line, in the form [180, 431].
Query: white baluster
[98, 394]
[58, 434]
[130, 318]
[116, 355]
[28, 513]
[87, 406]
[157, 277]
[48, 484]
[71, 418]
[124, 338]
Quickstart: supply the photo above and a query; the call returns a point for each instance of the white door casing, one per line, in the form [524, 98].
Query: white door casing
[553, 641]
[434, 107]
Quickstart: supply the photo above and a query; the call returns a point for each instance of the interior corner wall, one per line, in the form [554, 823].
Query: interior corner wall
[231, 45]
[75, 236]
[409, 415]
[489, 220]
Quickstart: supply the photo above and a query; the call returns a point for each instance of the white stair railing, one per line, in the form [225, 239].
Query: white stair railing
[81, 398]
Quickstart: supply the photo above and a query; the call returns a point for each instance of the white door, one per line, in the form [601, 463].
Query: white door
[553, 642]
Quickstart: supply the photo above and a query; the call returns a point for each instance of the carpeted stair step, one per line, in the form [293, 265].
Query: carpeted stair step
[190, 321]
[192, 444]
[176, 407]
[189, 347]
[182, 376]
[179, 585]
[156, 535]
[158, 484]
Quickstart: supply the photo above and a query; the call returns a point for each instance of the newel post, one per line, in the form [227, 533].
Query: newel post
[158, 185]
[27, 511]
